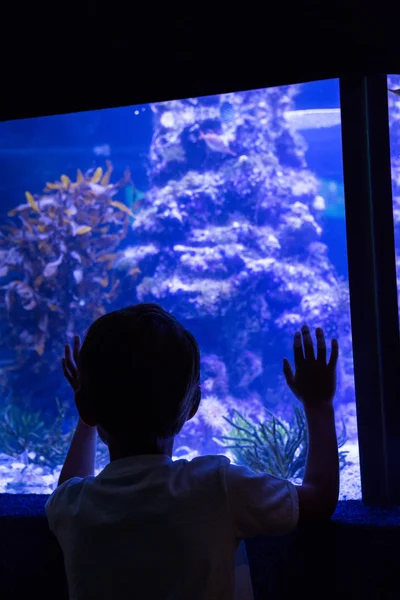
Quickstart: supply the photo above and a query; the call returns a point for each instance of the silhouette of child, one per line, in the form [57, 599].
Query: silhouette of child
[148, 527]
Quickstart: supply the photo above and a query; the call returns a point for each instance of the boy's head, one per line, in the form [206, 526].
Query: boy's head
[139, 374]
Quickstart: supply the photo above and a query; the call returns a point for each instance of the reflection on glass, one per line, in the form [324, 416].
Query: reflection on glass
[226, 210]
[394, 127]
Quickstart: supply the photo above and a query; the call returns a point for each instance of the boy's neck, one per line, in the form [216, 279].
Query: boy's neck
[160, 446]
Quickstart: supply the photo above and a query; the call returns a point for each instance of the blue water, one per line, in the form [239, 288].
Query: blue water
[228, 233]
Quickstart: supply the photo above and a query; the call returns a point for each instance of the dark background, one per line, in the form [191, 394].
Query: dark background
[70, 56]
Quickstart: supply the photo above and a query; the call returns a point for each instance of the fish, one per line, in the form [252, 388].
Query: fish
[397, 92]
[134, 273]
[133, 197]
[40, 343]
[79, 229]
[38, 281]
[109, 295]
[31, 202]
[107, 257]
[82, 230]
[121, 207]
[216, 143]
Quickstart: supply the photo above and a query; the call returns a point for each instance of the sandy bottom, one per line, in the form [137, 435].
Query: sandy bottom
[18, 478]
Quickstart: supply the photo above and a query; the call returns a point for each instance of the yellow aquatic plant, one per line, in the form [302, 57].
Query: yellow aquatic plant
[57, 257]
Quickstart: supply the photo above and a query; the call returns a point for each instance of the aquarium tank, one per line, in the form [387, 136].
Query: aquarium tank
[226, 210]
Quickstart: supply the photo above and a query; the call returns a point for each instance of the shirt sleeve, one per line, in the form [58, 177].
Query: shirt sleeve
[260, 504]
[58, 503]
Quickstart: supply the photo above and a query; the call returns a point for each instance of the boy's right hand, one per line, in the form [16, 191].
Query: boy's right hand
[314, 381]
[70, 363]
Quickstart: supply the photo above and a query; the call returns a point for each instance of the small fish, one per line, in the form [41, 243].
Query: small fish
[31, 202]
[104, 282]
[38, 282]
[79, 229]
[133, 197]
[216, 143]
[39, 344]
[397, 92]
[122, 207]
[134, 272]
[82, 230]
[52, 307]
[111, 293]
[107, 257]
[52, 267]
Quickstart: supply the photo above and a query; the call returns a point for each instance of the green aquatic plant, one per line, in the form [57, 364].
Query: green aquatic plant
[56, 263]
[273, 445]
[25, 435]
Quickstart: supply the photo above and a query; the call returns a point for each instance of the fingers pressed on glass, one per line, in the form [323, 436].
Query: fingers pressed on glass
[288, 372]
[334, 354]
[308, 343]
[298, 349]
[321, 345]
[77, 346]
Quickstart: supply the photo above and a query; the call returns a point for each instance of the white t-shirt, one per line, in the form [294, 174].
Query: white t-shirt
[150, 528]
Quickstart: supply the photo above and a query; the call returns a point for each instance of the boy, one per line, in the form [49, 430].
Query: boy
[151, 528]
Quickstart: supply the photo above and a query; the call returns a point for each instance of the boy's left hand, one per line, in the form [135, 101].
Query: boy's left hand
[70, 363]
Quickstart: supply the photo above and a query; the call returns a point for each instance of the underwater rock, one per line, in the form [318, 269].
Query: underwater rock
[239, 235]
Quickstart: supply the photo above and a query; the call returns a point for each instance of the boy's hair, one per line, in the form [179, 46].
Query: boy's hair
[139, 372]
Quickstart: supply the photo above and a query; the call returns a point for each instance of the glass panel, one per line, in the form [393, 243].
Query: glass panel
[394, 128]
[226, 210]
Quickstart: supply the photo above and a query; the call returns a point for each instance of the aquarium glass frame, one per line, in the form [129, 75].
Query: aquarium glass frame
[372, 282]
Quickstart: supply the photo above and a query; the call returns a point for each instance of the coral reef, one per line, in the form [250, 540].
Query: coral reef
[236, 251]
[56, 267]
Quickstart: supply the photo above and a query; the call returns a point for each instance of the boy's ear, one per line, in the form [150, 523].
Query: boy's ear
[196, 403]
[84, 413]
